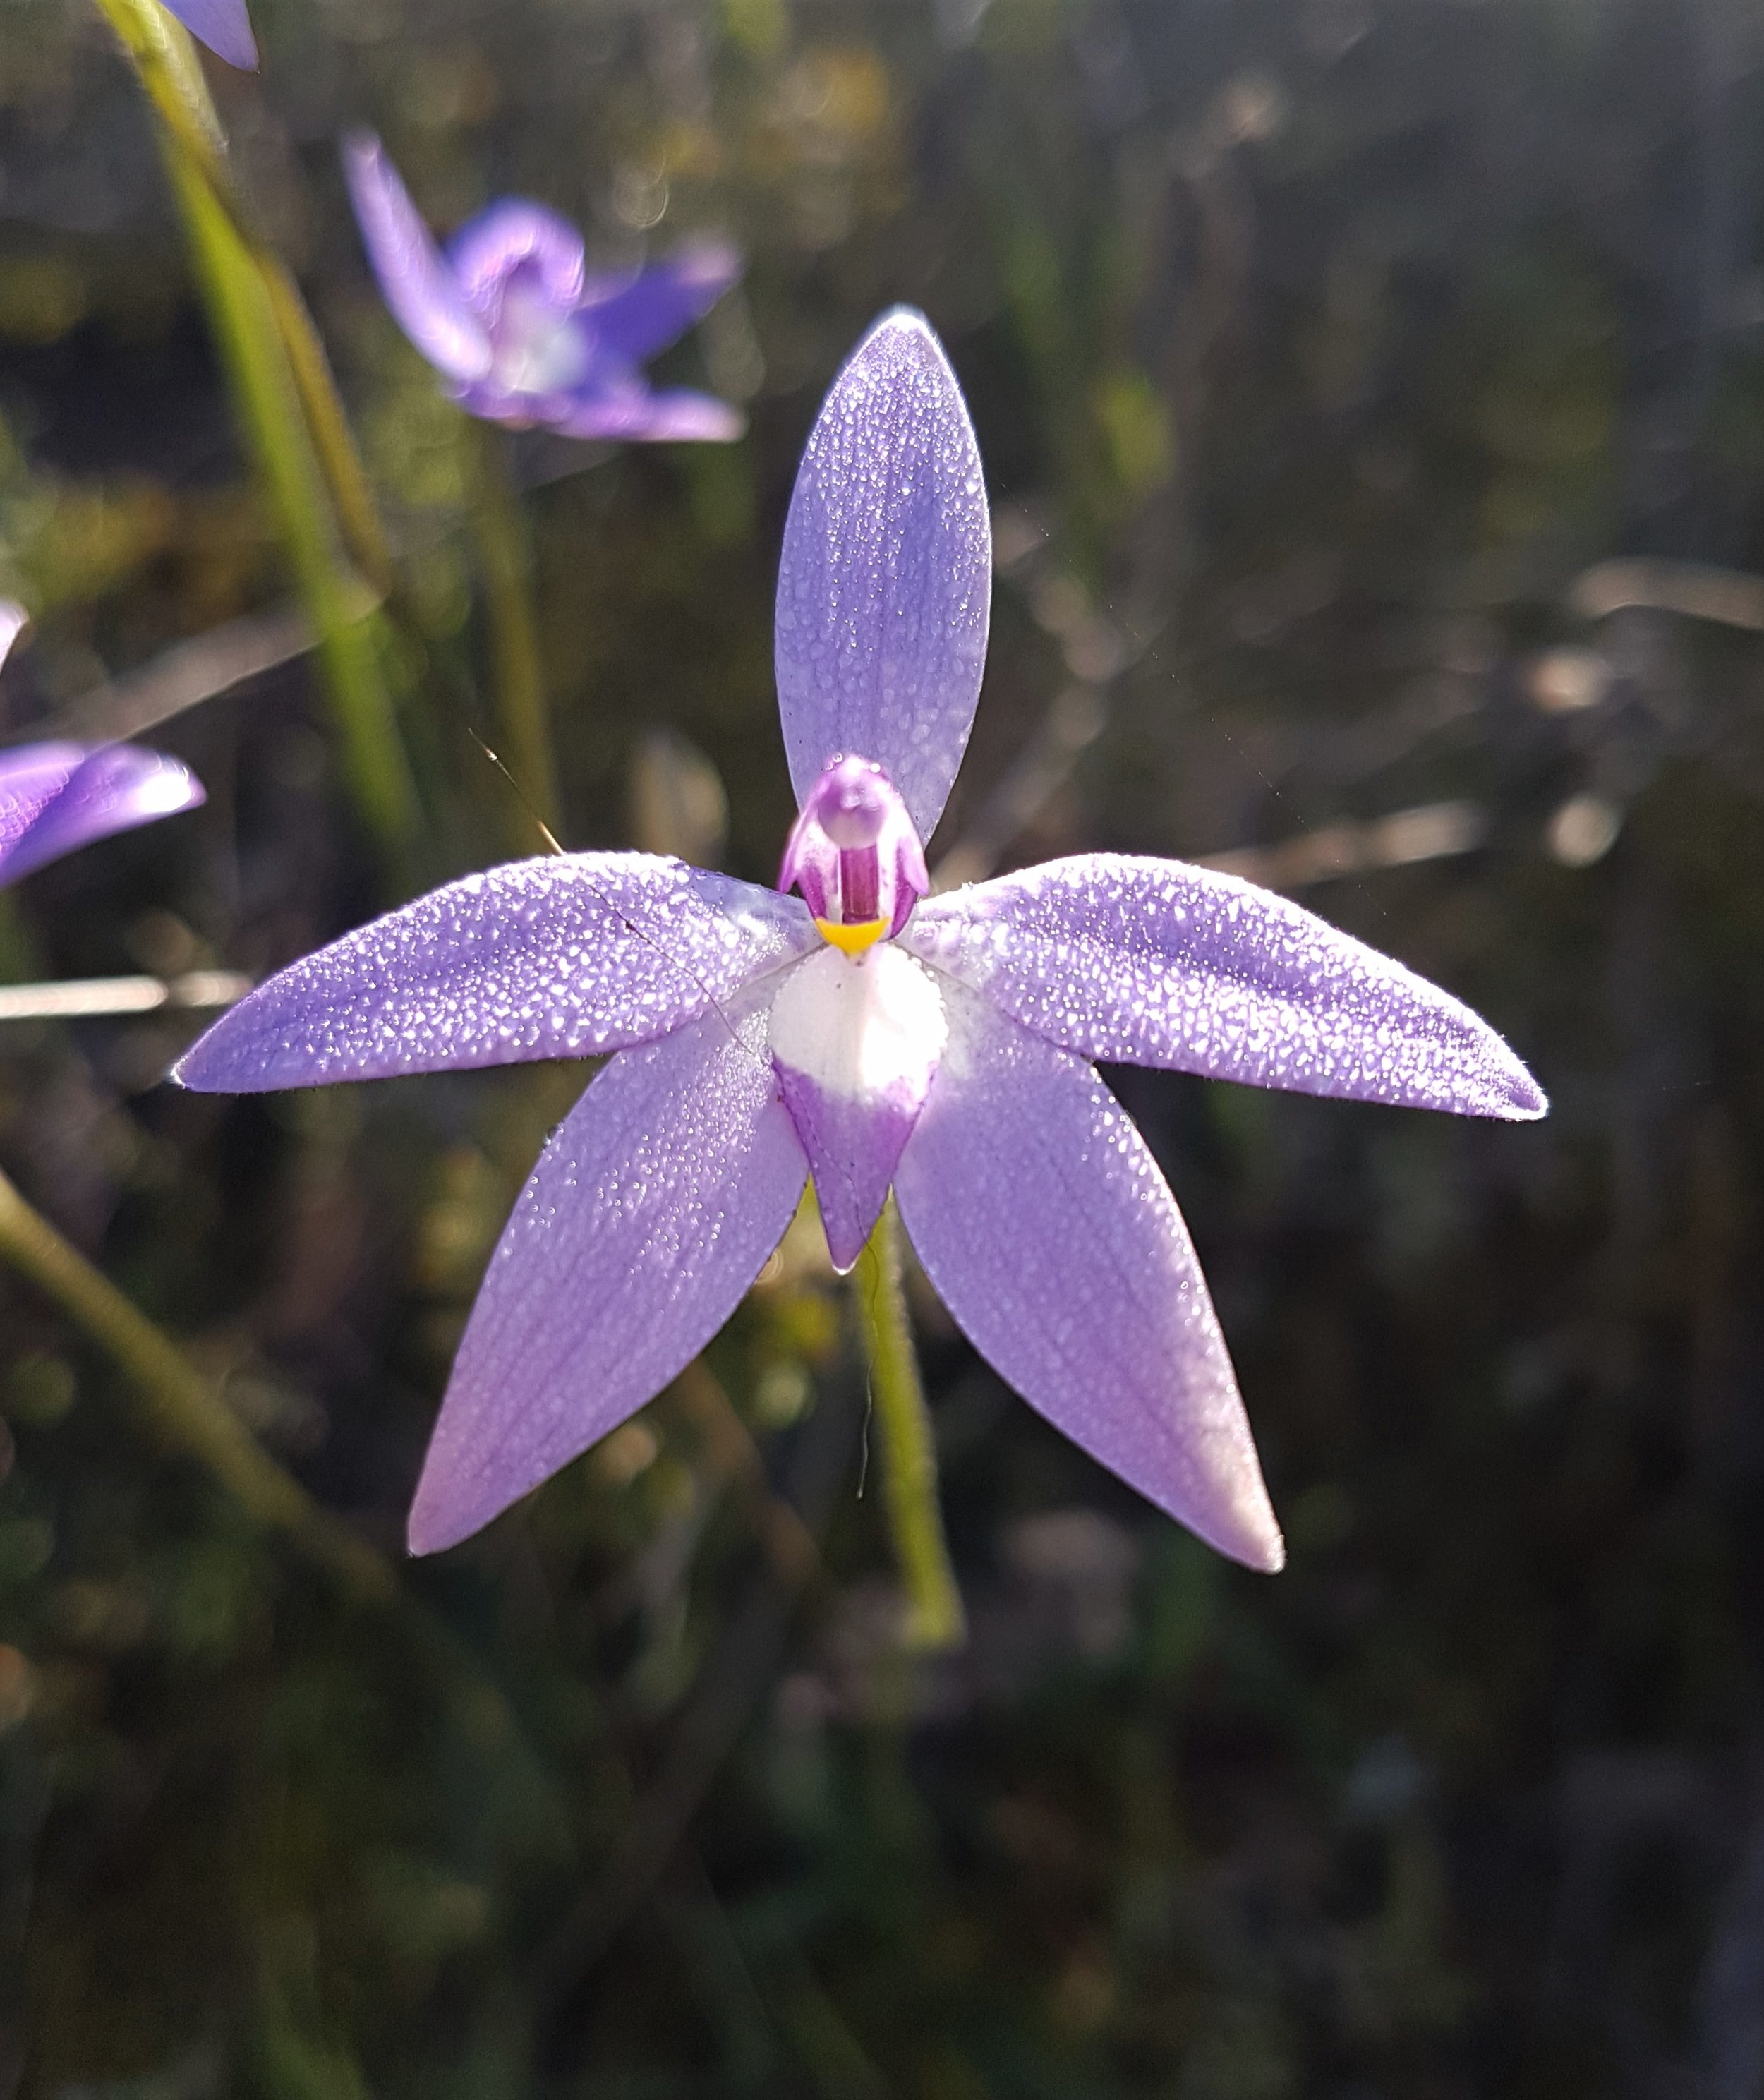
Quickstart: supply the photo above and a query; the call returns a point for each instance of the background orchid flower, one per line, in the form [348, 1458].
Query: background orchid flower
[223, 25]
[56, 797]
[522, 332]
[868, 1035]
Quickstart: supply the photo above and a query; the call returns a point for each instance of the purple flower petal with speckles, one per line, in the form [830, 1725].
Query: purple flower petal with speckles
[652, 1212]
[508, 235]
[555, 958]
[678, 416]
[636, 315]
[1051, 1236]
[885, 590]
[54, 797]
[1153, 962]
[223, 26]
[419, 287]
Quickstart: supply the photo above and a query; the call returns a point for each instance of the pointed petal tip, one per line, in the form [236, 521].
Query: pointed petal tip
[902, 332]
[1527, 1102]
[224, 26]
[1243, 1527]
[1269, 1557]
[429, 1531]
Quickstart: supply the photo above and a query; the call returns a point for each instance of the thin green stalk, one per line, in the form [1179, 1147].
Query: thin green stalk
[181, 1411]
[506, 560]
[263, 387]
[934, 1617]
[278, 373]
[179, 1408]
[333, 441]
[165, 63]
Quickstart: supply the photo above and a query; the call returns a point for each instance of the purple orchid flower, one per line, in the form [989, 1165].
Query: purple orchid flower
[522, 332]
[56, 797]
[223, 26]
[870, 1035]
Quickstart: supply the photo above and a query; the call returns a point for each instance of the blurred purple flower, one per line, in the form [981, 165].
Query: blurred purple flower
[56, 797]
[223, 26]
[523, 333]
[869, 1035]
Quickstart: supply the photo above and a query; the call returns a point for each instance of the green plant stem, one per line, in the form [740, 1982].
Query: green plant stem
[181, 1411]
[165, 63]
[289, 409]
[934, 1617]
[505, 563]
[179, 1407]
[263, 387]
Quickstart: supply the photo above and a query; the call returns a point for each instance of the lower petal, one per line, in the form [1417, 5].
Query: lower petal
[651, 1212]
[855, 1039]
[1047, 1228]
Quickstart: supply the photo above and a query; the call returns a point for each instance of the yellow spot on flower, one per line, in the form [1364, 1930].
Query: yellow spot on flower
[853, 939]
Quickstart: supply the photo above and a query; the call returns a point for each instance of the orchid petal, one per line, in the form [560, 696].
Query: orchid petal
[675, 416]
[13, 621]
[1153, 962]
[56, 797]
[1049, 1232]
[418, 286]
[649, 1215]
[507, 235]
[883, 591]
[855, 1041]
[636, 315]
[223, 26]
[553, 958]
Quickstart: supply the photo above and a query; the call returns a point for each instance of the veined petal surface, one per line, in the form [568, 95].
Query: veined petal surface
[422, 292]
[635, 316]
[54, 797]
[651, 1212]
[1050, 1235]
[223, 25]
[1154, 962]
[884, 589]
[562, 957]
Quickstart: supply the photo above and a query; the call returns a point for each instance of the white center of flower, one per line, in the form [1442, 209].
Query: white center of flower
[860, 1027]
[538, 350]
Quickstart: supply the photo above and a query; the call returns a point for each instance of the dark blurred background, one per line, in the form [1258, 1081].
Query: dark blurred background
[1371, 394]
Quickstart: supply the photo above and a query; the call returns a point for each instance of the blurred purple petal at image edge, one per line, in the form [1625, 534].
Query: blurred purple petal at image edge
[223, 25]
[863, 1034]
[57, 797]
[522, 331]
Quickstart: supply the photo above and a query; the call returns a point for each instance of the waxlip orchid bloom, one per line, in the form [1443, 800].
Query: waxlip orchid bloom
[870, 1035]
[223, 25]
[520, 329]
[56, 797]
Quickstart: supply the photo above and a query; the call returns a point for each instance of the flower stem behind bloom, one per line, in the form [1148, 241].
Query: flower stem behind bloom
[934, 1615]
